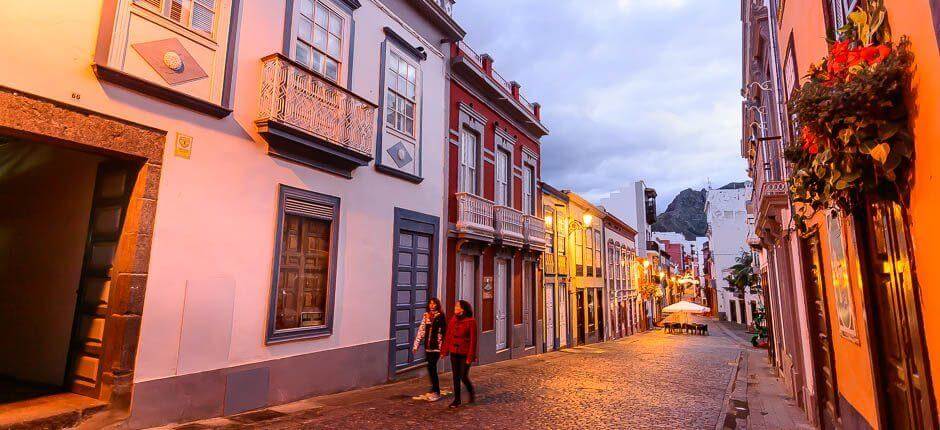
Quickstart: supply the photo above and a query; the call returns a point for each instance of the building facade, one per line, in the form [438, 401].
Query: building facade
[254, 195]
[620, 286]
[496, 234]
[725, 210]
[555, 268]
[859, 303]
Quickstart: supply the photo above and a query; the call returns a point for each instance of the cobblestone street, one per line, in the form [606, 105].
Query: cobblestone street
[652, 380]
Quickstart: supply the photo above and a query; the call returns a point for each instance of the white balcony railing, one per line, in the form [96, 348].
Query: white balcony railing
[508, 224]
[295, 96]
[474, 214]
[534, 231]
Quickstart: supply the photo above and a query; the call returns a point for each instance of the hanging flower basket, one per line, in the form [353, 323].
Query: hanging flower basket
[853, 136]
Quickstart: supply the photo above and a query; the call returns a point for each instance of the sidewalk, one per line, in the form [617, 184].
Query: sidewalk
[758, 399]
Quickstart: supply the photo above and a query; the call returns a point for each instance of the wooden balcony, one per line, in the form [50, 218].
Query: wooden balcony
[474, 217]
[311, 120]
[508, 226]
[534, 228]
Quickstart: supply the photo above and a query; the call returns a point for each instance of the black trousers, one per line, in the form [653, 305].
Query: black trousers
[432, 358]
[461, 371]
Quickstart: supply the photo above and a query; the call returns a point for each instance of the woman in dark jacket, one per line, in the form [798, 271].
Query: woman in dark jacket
[431, 336]
[461, 344]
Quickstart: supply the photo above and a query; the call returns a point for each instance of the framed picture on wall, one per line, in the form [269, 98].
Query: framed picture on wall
[841, 284]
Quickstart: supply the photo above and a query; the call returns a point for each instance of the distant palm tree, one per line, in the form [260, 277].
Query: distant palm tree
[742, 278]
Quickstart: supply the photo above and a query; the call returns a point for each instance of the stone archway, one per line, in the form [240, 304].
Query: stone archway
[35, 119]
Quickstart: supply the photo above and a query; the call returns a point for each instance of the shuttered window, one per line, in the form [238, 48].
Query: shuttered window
[196, 15]
[304, 265]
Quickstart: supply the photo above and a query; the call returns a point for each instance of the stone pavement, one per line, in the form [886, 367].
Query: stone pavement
[651, 380]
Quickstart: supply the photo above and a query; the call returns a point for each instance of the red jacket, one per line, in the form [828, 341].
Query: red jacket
[461, 338]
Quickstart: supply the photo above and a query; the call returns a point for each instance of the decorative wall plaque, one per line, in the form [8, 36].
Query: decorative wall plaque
[171, 61]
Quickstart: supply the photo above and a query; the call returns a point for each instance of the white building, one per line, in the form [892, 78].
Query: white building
[630, 205]
[728, 227]
[245, 199]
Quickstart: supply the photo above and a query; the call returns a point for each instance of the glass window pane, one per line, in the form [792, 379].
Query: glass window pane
[321, 15]
[401, 86]
[317, 63]
[332, 69]
[392, 63]
[409, 126]
[319, 37]
[336, 24]
[403, 68]
[411, 74]
[411, 90]
[334, 46]
[303, 54]
[409, 110]
[306, 8]
[305, 29]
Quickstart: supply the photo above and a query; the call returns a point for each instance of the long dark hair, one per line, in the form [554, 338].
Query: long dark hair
[467, 308]
[436, 301]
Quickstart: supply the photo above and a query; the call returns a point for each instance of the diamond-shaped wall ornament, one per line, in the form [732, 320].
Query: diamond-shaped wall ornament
[170, 60]
[400, 154]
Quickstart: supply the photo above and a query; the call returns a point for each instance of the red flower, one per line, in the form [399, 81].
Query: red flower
[875, 54]
[839, 48]
[810, 140]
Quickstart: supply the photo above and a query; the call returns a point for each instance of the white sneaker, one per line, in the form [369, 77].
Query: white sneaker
[422, 397]
[433, 397]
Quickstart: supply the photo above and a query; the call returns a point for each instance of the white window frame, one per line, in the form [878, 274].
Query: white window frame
[185, 19]
[528, 189]
[394, 93]
[340, 57]
[469, 169]
[503, 177]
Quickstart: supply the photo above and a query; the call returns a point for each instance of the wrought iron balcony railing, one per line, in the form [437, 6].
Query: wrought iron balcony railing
[474, 215]
[508, 225]
[297, 97]
[534, 231]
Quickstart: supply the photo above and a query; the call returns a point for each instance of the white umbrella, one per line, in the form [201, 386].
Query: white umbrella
[686, 306]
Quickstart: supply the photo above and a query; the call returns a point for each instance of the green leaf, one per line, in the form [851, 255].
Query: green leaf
[880, 152]
[860, 19]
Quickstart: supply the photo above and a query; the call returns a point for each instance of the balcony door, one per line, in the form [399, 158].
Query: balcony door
[500, 295]
[468, 175]
[502, 178]
[821, 339]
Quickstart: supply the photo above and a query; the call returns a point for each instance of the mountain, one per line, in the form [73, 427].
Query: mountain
[686, 215]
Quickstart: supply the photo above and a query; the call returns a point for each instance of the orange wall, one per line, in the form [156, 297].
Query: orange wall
[913, 18]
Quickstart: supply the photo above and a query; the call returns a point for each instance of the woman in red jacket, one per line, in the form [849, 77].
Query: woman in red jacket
[460, 342]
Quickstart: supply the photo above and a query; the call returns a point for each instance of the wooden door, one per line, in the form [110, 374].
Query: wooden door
[413, 271]
[501, 294]
[732, 306]
[562, 314]
[821, 334]
[904, 376]
[581, 321]
[113, 187]
[549, 316]
[466, 279]
[528, 316]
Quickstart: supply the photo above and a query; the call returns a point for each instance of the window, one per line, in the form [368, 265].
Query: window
[597, 254]
[579, 253]
[528, 190]
[549, 257]
[502, 178]
[196, 15]
[839, 11]
[589, 251]
[469, 154]
[319, 43]
[401, 100]
[302, 302]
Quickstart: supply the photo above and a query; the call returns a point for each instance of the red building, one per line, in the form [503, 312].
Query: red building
[496, 233]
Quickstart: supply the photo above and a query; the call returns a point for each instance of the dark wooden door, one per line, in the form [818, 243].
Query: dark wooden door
[905, 381]
[113, 186]
[411, 294]
[581, 320]
[820, 331]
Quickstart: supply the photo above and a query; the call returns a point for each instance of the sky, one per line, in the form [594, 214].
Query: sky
[630, 89]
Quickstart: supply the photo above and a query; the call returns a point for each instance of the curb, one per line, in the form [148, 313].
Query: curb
[727, 418]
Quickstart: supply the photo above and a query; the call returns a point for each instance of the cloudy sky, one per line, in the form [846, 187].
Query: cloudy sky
[630, 89]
